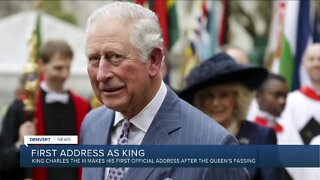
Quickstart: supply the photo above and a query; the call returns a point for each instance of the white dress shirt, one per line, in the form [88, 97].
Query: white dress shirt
[53, 96]
[140, 122]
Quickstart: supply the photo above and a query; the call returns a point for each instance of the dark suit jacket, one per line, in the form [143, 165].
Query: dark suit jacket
[176, 122]
[9, 157]
[251, 133]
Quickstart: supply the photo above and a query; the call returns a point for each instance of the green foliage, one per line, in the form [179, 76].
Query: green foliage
[247, 20]
[54, 8]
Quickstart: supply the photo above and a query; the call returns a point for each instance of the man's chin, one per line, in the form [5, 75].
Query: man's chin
[116, 106]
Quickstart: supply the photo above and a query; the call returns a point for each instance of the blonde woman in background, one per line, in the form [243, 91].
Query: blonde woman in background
[223, 90]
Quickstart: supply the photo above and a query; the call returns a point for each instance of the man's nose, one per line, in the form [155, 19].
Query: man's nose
[282, 101]
[104, 70]
[65, 73]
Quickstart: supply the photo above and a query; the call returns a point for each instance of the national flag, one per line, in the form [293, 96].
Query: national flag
[144, 3]
[160, 8]
[197, 31]
[223, 31]
[289, 42]
[167, 16]
[191, 61]
[304, 35]
[315, 30]
[297, 35]
[212, 25]
[204, 48]
[273, 50]
[173, 25]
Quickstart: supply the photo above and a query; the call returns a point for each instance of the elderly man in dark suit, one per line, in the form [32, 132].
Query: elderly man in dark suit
[124, 46]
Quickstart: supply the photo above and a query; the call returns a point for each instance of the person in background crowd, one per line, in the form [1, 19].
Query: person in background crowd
[124, 46]
[242, 58]
[271, 99]
[301, 117]
[236, 53]
[58, 112]
[221, 88]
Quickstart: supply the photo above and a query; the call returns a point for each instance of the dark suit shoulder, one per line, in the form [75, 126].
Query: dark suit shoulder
[256, 134]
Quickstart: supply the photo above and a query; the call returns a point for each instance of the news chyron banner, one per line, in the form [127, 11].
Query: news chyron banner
[62, 151]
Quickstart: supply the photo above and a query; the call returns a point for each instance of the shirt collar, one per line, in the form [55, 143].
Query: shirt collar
[144, 118]
[271, 118]
[46, 88]
[53, 96]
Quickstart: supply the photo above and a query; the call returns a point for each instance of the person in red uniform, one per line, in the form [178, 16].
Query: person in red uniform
[59, 111]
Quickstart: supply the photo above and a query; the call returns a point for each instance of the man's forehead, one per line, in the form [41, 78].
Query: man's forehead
[59, 58]
[313, 49]
[275, 84]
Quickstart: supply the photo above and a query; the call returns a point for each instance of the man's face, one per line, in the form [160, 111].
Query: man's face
[57, 71]
[311, 62]
[272, 99]
[119, 77]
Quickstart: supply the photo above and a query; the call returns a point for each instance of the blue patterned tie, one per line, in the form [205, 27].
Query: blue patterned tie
[117, 173]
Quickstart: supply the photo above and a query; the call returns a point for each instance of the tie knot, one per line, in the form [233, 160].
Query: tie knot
[126, 124]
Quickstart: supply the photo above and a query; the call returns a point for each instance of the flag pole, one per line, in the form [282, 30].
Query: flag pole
[31, 74]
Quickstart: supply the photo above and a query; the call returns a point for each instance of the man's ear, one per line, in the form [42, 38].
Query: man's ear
[155, 59]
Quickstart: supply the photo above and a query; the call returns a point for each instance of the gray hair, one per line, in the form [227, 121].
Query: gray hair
[145, 32]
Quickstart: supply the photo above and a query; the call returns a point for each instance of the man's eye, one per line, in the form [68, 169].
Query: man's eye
[58, 68]
[115, 58]
[94, 59]
[112, 56]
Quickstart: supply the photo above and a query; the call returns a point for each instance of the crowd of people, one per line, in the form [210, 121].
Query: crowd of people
[225, 101]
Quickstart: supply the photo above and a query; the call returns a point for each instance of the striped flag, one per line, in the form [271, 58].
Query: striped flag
[296, 35]
[223, 31]
[212, 25]
[273, 50]
[304, 36]
[288, 44]
[294, 23]
[315, 30]
[173, 25]
[160, 8]
[168, 20]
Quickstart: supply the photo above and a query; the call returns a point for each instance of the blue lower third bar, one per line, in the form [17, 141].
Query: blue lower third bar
[169, 156]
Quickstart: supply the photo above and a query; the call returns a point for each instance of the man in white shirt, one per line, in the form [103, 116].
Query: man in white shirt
[301, 117]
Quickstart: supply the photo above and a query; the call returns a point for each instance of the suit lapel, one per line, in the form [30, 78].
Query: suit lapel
[103, 134]
[105, 125]
[166, 121]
